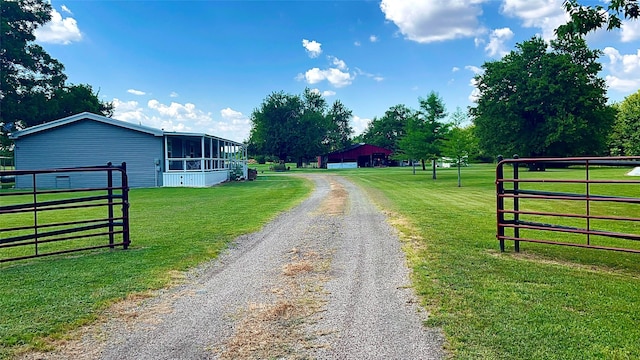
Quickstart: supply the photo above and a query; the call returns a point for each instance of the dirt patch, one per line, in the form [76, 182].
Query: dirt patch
[277, 330]
[335, 203]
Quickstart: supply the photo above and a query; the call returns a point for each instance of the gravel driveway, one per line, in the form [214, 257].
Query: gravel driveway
[325, 280]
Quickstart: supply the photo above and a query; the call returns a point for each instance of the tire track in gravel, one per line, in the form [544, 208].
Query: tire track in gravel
[325, 280]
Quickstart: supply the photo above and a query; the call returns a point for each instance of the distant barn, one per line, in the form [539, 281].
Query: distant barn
[355, 156]
[154, 157]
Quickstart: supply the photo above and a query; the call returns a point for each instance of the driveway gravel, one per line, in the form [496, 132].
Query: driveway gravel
[325, 280]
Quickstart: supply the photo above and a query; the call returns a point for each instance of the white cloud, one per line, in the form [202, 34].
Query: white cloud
[473, 69]
[622, 85]
[184, 117]
[455, 69]
[373, 38]
[58, 30]
[235, 118]
[359, 124]
[630, 31]
[434, 20]
[338, 63]
[128, 111]
[377, 78]
[173, 94]
[66, 9]
[357, 43]
[478, 41]
[546, 15]
[475, 93]
[313, 48]
[497, 39]
[325, 93]
[335, 77]
[624, 70]
[136, 92]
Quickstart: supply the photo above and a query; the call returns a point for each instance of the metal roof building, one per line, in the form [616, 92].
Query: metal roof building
[357, 155]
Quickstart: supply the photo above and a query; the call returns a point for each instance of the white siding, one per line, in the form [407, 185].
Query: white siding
[343, 165]
[194, 179]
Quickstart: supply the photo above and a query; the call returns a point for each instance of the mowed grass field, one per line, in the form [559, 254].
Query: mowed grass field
[546, 302]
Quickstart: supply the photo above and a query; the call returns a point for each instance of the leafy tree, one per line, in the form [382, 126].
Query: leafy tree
[540, 102]
[460, 141]
[339, 132]
[274, 124]
[387, 130]
[625, 137]
[311, 127]
[588, 18]
[425, 131]
[32, 83]
[298, 127]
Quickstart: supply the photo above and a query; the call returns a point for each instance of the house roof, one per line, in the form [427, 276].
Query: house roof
[84, 116]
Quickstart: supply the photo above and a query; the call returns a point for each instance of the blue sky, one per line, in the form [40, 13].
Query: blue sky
[204, 66]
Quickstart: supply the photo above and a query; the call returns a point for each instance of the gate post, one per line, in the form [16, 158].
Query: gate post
[125, 207]
[500, 201]
[110, 203]
[516, 204]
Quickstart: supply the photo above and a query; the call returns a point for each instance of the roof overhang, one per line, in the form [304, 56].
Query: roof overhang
[83, 116]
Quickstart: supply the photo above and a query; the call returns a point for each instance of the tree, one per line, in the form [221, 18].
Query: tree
[425, 131]
[460, 141]
[625, 137]
[298, 127]
[387, 130]
[274, 124]
[537, 102]
[32, 83]
[311, 127]
[589, 18]
[339, 132]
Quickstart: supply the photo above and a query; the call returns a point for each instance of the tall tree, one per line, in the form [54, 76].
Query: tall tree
[460, 141]
[32, 83]
[625, 137]
[387, 130]
[589, 18]
[540, 102]
[274, 124]
[293, 126]
[311, 128]
[425, 131]
[339, 131]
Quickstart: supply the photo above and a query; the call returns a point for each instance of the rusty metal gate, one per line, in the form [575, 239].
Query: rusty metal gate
[40, 222]
[591, 212]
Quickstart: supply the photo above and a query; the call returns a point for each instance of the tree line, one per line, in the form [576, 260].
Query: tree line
[540, 100]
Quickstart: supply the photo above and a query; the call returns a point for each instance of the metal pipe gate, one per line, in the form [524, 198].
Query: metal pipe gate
[49, 220]
[523, 204]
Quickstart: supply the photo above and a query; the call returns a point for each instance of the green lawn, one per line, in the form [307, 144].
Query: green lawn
[547, 302]
[172, 229]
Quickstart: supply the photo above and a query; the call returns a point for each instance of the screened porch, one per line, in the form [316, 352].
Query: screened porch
[199, 160]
